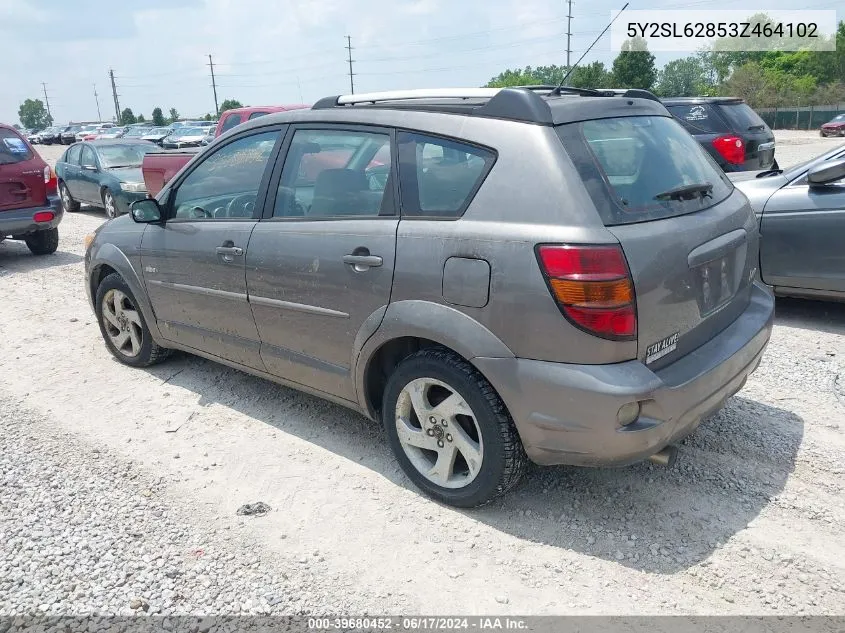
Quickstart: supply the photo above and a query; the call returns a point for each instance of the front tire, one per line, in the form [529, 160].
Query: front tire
[450, 431]
[123, 327]
[109, 204]
[43, 242]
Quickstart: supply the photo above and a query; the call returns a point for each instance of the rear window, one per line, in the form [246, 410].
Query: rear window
[13, 149]
[698, 118]
[742, 117]
[643, 168]
[230, 122]
[439, 177]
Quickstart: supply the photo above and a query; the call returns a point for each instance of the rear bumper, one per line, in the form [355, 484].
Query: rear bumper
[567, 414]
[20, 222]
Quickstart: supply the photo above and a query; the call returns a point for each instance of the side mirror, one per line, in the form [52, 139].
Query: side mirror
[826, 173]
[145, 211]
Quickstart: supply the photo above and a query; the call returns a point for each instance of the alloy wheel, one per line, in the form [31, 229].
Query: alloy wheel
[439, 433]
[122, 323]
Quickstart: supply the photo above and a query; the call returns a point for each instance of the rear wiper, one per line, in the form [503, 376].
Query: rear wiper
[769, 172]
[756, 127]
[686, 192]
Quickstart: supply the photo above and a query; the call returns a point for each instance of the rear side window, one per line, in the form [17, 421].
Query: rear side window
[439, 177]
[13, 149]
[643, 168]
[230, 122]
[742, 117]
[698, 118]
[255, 115]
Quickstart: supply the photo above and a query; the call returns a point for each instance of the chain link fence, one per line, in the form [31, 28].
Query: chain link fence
[800, 117]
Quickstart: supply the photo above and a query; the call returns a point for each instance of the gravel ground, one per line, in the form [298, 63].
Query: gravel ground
[119, 488]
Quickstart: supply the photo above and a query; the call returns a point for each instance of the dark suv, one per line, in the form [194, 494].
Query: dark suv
[728, 129]
[494, 275]
[29, 207]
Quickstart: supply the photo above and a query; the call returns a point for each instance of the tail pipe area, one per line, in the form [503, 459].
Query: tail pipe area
[665, 457]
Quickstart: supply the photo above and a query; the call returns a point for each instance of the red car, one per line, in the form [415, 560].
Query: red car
[834, 127]
[231, 118]
[30, 209]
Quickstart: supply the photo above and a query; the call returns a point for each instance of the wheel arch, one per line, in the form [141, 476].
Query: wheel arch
[109, 259]
[408, 326]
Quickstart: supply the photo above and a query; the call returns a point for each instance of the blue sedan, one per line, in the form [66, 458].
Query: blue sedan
[103, 173]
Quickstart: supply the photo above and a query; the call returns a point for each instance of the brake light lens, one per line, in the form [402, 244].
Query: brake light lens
[731, 148]
[50, 180]
[43, 216]
[592, 287]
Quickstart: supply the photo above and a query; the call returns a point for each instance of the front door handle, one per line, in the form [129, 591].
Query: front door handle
[228, 252]
[362, 262]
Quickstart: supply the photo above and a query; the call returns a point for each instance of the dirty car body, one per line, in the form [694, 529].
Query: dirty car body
[572, 269]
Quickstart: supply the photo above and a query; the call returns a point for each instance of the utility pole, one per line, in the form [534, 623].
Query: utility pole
[351, 74]
[47, 101]
[568, 33]
[214, 85]
[114, 94]
[97, 98]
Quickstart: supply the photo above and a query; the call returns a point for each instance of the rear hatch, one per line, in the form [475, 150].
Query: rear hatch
[21, 173]
[759, 139]
[689, 238]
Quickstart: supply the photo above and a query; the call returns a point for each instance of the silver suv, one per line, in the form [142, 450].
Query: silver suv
[496, 276]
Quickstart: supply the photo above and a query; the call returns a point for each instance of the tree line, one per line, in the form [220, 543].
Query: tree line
[33, 115]
[762, 78]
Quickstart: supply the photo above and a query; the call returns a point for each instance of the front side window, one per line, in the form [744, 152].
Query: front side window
[335, 173]
[439, 177]
[225, 184]
[643, 168]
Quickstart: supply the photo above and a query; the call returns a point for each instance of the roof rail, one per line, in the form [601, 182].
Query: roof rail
[520, 103]
[631, 93]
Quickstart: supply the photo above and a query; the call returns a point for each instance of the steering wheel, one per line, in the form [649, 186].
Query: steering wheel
[241, 206]
[196, 213]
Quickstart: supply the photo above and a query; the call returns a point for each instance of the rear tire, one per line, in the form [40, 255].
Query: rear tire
[443, 408]
[43, 242]
[123, 327]
[68, 203]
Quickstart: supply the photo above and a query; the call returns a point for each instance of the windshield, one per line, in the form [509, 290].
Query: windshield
[122, 155]
[192, 131]
[158, 131]
[648, 166]
[137, 131]
[841, 117]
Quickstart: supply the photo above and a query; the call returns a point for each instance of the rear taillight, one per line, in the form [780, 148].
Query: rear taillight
[49, 180]
[593, 288]
[731, 148]
[43, 216]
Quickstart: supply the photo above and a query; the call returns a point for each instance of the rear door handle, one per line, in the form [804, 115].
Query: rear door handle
[362, 262]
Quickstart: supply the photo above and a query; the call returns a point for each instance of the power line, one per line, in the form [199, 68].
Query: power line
[351, 74]
[47, 101]
[568, 32]
[214, 85]
[96, 97]
[114, 94]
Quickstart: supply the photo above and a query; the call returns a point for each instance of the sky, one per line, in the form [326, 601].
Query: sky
[286, 51]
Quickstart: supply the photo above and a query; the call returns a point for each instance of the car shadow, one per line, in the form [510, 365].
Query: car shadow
[646, 517]
[810, 314]
[16, 258]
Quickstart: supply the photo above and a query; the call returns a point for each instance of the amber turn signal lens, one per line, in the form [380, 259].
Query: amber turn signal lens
[605, 294]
